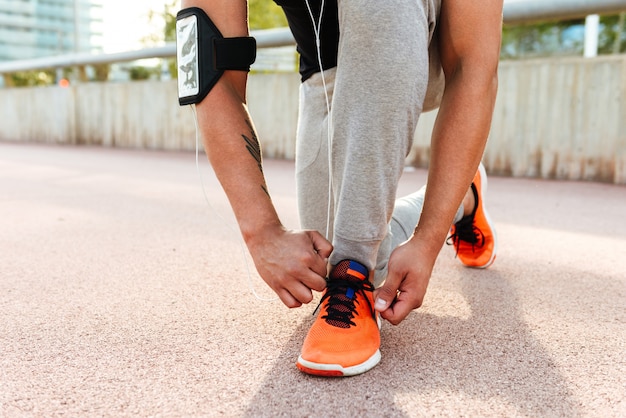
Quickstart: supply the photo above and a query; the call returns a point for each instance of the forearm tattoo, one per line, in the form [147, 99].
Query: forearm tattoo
[254, 148]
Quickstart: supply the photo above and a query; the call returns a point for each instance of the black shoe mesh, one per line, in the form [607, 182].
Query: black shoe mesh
[341, 296]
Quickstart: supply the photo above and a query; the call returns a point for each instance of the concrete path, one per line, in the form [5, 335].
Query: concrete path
[122, 293]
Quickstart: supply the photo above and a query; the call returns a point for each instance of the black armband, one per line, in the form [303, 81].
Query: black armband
[203, 54]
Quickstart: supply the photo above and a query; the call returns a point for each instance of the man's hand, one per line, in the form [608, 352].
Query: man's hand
[292, 263]
[469, 46]
[409, 269]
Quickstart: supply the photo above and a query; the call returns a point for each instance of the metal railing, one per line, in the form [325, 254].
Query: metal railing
[515, 12]
[267, 38]
[528, 11]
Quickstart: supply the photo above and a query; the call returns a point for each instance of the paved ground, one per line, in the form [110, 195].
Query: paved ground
[122, 293]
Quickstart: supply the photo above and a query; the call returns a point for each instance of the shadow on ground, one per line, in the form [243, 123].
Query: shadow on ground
[432, 363]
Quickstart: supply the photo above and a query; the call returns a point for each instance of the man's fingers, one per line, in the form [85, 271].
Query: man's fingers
[397, 298]
[319, 261]
[315, 281]
[301, 293]
[299, 278]
[398, 311]
[385, 295]
[297, 295]
[287, 299]
[321, 245]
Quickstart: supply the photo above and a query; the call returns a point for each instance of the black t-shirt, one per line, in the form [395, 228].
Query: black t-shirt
[301, 26]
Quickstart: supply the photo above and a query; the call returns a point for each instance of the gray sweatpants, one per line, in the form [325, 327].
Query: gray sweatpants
[387, 73]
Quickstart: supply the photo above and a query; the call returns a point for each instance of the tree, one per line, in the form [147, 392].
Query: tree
[168, 16]
[265, 14]
[138, 73]
[32, 78]
[562, 38]
[612, 40]
[542, 39]
[101, 72]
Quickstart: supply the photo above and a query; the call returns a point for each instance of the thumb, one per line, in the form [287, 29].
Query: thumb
[386, 294]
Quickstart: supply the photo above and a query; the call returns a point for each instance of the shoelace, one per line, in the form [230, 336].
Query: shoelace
[341, 301]
[466, 231]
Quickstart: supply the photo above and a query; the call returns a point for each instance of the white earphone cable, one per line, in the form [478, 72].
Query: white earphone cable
[316, 30]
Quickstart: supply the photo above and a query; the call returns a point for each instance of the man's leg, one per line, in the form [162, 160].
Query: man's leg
[312, 173]
[381, 82]
[472, 234]
[312, 160]
[405, 216]
[378, 91]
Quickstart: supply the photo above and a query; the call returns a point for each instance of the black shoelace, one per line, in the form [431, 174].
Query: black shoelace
[341, 301]
[465, 230]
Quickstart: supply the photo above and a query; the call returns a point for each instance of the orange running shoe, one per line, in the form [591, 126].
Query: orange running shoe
[345, 338]
[474, 236]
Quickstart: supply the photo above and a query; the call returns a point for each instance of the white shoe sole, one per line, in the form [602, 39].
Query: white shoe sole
[334, 369]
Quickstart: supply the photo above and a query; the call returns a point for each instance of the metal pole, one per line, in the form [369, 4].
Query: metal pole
[592, 31]
[76, 26]
[59, 69]
[77, 69]
[527, 11]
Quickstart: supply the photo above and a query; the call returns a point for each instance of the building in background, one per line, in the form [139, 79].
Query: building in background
[38, 28]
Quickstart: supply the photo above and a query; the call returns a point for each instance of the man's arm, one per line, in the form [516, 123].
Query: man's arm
[291, 262]
[469, 41]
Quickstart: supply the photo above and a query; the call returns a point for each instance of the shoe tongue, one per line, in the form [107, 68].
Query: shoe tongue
[340, 305]
[349, 270]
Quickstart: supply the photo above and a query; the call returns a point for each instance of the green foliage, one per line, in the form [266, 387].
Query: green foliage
[172, 68]
[613, 36]
[562, 38]
[38, 78]
[169, 17]
[142, 73]
[265, 14]
[32, 78]
[101, 72]
[542, 39]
